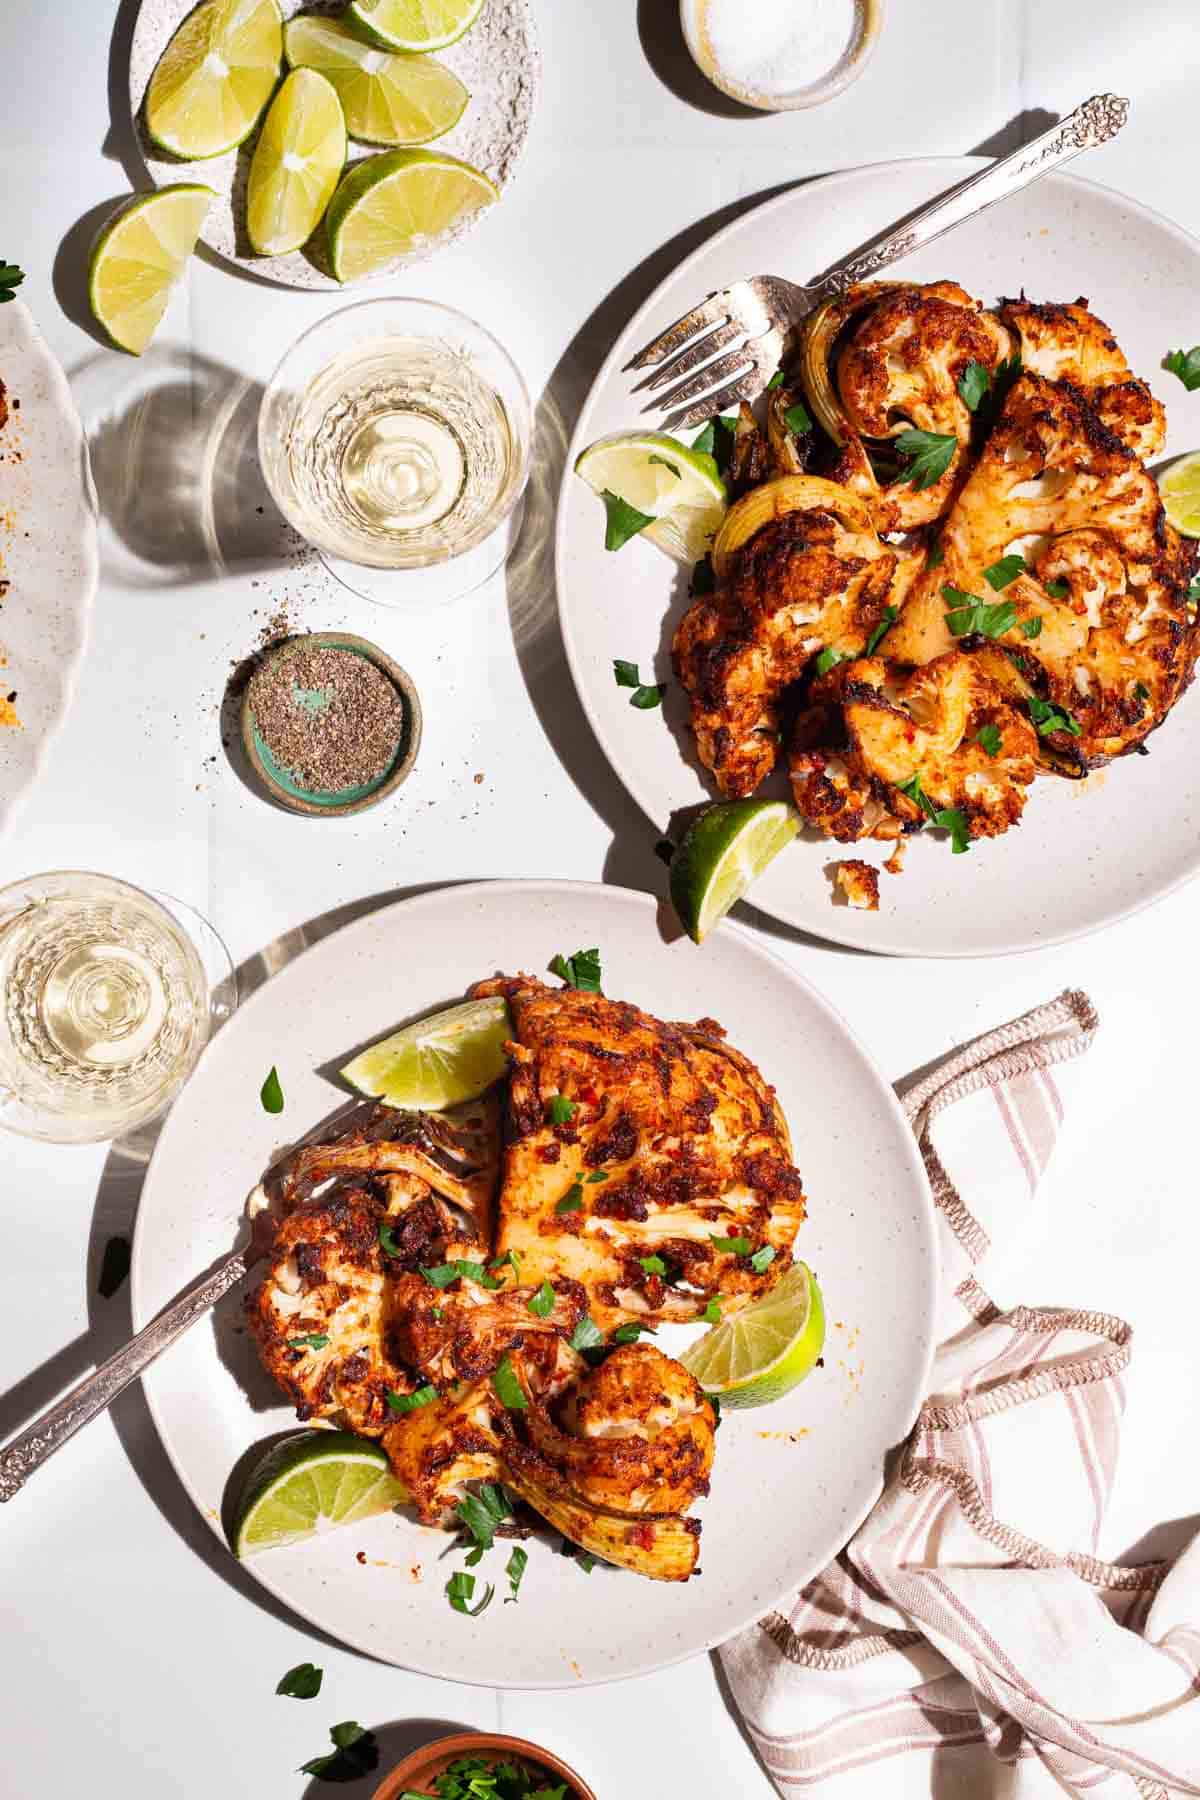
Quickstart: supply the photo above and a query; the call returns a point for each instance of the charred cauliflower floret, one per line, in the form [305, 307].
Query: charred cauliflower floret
[1069, 343]
[902, 747]
[439, 1449]
[461, 1332]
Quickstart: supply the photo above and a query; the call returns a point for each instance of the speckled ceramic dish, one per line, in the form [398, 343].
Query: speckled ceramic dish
[738, 83]
[282, 787]
[48, 555]
[791, 1481]
[497, 59]
[418, 1772]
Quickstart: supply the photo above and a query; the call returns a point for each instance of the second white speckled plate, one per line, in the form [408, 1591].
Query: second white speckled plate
[791, 1481]
[497, 59]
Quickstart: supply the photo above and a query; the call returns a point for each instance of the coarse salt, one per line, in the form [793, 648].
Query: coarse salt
[776, 47]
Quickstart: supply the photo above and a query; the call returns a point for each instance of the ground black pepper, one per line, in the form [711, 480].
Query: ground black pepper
[329, 717]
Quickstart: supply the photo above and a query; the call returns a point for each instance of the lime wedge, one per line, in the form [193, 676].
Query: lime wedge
[298, 161]
[1180, 489]
[398, 204]
[415, 24]
[445, 1060]
[310, 1483]
[386, 99]
[139, 255]
[214, 77]
[764, 1352]
[678, 487]
[722, 852]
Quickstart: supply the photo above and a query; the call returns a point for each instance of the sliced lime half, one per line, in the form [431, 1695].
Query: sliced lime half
[387, 98]
[215, 77]
[1180, 489]
[445, 1060]
[415, 24]
[760, 1354]
[310, 1483]
[722, 853]
[677, 487]
[399, 205]
[298, 161]
[139, 255]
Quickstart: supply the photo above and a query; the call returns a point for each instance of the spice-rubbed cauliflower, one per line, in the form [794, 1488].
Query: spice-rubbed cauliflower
[944, 732]
[1069, 343]
[461, 1332]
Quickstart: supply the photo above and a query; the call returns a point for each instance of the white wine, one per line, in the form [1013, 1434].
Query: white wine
[104, 1007]
[399, 454]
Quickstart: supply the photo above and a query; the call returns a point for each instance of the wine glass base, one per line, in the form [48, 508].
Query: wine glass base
[439, 583]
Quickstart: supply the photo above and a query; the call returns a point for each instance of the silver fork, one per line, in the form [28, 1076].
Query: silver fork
[755, 316]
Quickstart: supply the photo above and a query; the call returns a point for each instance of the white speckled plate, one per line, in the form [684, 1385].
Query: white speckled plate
[1086, 853]
[497, 59]
[48, 552]
[791, 1481]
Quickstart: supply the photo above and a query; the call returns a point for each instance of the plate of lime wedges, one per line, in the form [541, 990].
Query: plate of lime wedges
[818, 1378]
[341, 141]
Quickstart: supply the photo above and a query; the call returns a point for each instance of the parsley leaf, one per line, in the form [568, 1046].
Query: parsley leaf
[624, 521]
[481, 1512]
[1005, 570]
[580, 971]
[928, 455]
[562, 1111]
[716, 439]
[796, 419]
[595, 1176]
[915, 792]
[541, 1305]
[829, 659]
[712, 1313]
[508, 1386]
[458, 1270]
[988, 737]
[762, 1259]
[301, 1683]
[514, 1568]
[584, 1558]
[387, 1240]
[460, 1590]
[587, 1334]
[356, 1753]
[11, 278]
[1048, 717]
[511, 1259]
[1141, 690]
[571, 1201]
[114, 1268]
[736, 1246]
[649, 696]
[626, 673]
[953, 821]
[664, 464]
[315, 1340]
[704, 579]
[776, 380]
[271, 1094]
[1185, 364]
[973, 384]
[974, 617]
[1193, 592]
[629, 1334]
[653, 1265]
[406, 1403]
[1002, 378]
[887, 619]
[1032, 628]
[1057, 590]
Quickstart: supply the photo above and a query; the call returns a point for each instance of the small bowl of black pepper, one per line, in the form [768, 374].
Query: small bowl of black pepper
[330, 724]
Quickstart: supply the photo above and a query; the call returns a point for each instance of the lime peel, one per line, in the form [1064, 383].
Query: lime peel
[312, 1482]
[1179, 486]
[399, 205]
[414, 25]
[446, 1059]
[767, 1349]
[722, 853]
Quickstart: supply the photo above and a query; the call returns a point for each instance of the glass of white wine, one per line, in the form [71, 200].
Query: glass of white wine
[395, 436]
[106, 1002]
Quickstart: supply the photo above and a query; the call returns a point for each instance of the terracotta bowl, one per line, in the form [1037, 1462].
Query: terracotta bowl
[420, 1770]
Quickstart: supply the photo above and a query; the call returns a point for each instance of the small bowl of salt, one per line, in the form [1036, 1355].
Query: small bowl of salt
[778, 55]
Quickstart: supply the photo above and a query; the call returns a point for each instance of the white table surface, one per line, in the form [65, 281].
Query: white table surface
[137, 1658]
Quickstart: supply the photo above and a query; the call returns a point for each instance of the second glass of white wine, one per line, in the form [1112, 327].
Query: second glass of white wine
[394, 436]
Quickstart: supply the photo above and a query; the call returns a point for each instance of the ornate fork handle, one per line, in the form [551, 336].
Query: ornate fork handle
[1091, 124]
[97, 1391]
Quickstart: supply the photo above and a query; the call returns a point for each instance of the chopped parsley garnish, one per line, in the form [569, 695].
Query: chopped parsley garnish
[387, 1240]
[969, 616]
[460, 1590]
[587, 1334]
[302, 1683]
[653, 1265]
[645, 694]
[623, 521]
[507, 1385]
[1005, 570]
[973, 384]
[480, 1513]
[315, 1340]
[511, 1259]
[928, 455]
[436, 1314]
[716, 439]
[715, 1403]
[584, 1558]
[471, 1778]
[736, 1246]
[952, 820]
[580, 971]
[712, 1313]
[114, 1268]
[11, 278]
[355, 1753]
[629, 1334]
[988, 738]
[704, 579]
[625, 674]
[937, 556]
[571, 1201]
[887, 619]
[796, 419]
[1193, 592]
[1141, 690]
[1057, 590]
[1000, 380]
[406, 1403]
[595, 1176]
[1032, 628]
[776, 380]
[271, 1094]
[1184, 363]
[916, 793]
[514, 1568]
[664, 464]
[762, 1259]
[541, 1305]
[562, 1110]
[458, 1270]
[1048, 717]
[829, 659]
[648, 697]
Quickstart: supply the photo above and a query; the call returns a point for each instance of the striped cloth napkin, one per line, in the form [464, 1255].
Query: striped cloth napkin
[968, 1642]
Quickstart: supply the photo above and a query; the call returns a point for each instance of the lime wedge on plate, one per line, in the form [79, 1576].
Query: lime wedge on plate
[214, 77]
[310, 1483]
[298, 161]
[1180, 489]
[445, 1060]
[764, 1352]
[398, 203]
[722, 852]
[387, 99]
[678, 487]
[139, 255]
[415, 24]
